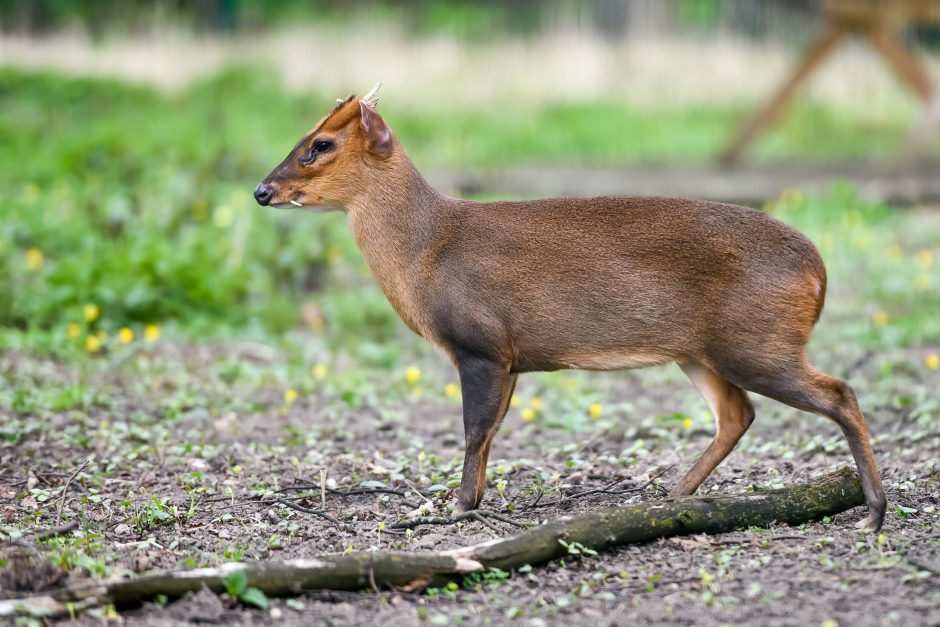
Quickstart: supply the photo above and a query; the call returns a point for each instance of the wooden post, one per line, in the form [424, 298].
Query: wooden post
[817, 53]
[906, 65]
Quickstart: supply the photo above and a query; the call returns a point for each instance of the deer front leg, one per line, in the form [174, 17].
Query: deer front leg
[487, 387]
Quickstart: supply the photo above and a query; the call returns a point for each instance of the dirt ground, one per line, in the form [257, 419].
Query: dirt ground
[187, 445]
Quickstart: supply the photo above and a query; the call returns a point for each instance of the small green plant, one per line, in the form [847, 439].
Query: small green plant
[236, 585]
[576, 548]
[155, 513]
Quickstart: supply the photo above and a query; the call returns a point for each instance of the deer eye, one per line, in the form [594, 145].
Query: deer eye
[319, 146]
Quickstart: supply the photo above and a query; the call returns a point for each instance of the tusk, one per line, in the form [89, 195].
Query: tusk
[295, 203]
[339, 101]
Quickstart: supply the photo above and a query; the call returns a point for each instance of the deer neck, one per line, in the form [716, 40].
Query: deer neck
[392, 221]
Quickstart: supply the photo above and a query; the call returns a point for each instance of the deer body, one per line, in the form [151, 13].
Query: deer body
[502, 288]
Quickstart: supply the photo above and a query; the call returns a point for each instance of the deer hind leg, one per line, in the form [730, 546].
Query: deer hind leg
[798, 384]
[733, 414]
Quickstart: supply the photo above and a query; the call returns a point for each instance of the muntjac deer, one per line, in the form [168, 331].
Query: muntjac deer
[728, 293]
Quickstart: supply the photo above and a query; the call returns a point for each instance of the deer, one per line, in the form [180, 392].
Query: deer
[727, 292]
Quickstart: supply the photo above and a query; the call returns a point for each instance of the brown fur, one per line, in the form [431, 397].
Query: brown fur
[728, 292]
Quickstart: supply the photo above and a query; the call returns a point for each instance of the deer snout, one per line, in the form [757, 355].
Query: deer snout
[264, 193]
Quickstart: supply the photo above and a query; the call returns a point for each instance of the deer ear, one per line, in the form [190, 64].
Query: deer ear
[378, 135]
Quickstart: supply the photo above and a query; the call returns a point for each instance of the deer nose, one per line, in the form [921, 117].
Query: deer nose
[264, 193]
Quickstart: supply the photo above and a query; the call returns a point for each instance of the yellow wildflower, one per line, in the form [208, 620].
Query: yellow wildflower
[880, 318]
[536, 403]
[895, 252]
[514, 401]
[222, 216]
[932, 361]
[451, 390]
[924, 258]
[412, 375]
[31, 194]
[200, 210]
[73, 329]
[151, 333]
[290, 395]
[687, 424]
[125, 336]
[333, 254]
[34, 258]
[91, 312]
[92, 344]
[596, 410]
[319, 372]
[528, 414]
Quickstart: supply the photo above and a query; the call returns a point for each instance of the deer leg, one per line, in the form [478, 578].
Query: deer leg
[487, 387]
[733, 414]
[799, 385]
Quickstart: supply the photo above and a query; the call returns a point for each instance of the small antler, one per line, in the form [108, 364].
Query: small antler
[370, 98]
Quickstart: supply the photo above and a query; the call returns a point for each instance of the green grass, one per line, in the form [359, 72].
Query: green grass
[140, 203]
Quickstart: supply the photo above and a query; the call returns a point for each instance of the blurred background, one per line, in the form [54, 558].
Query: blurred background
[132, 134]
[172, 355]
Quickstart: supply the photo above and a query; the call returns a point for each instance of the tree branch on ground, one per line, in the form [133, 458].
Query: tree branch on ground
[596, 531]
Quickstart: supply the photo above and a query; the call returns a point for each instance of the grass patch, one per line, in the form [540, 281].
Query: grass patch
[139, 205]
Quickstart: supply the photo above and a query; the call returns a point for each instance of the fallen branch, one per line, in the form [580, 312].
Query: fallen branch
[479, 515]
[642, 522]
[45, 534]
[612, 526]
[65, 491]
[42, 534]
[305, 510]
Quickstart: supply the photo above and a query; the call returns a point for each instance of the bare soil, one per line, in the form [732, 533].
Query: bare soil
[207, 434]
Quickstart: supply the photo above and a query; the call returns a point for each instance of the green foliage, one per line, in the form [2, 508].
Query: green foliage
[236, 585]
[156, 512]
[140, 203]
[576, 548]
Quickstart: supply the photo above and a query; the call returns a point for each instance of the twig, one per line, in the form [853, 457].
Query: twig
[605, 490]
[47, 533]
[479, 515]
[501, 518]
[323, 488]
[415, 490]
[56, 531]
[352, 491]
[58, 515]
[538, 497]
[480, 518]
[305, 510]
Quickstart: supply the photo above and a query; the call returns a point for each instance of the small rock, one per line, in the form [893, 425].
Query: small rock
[430, 540]
[201, 607]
